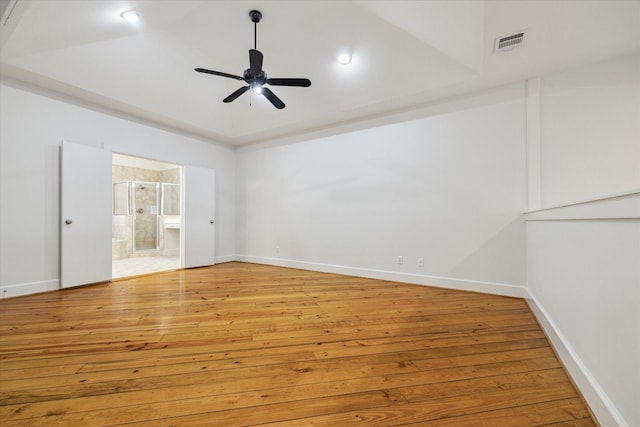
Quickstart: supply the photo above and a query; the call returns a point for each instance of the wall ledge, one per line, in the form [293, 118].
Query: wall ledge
[623, 206]
[603, 409]
[415, 279]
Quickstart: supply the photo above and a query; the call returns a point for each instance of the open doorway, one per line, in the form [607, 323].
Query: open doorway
[147, 217]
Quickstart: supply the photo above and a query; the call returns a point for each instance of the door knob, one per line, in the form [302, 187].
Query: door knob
[68, 222]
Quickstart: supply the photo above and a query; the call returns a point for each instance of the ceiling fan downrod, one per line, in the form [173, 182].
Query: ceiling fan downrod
[256, 16]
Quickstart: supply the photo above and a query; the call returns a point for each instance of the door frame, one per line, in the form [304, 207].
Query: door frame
[200, 246]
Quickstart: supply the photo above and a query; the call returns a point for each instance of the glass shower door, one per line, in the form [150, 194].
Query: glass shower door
[146, 202]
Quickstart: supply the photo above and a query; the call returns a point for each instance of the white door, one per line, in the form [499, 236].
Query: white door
[85, 215]
[199, 216]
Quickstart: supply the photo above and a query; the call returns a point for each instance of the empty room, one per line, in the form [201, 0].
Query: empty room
[320, 213]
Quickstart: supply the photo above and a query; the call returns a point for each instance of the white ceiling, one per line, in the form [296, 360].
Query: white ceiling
[405, 54]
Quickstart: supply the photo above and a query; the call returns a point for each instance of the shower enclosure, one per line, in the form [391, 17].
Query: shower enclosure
[138, 207]
[146, 205]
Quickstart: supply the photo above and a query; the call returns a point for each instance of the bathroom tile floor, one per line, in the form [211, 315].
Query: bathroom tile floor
[143, 265]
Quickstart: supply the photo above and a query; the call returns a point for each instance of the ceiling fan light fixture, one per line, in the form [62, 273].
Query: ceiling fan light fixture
[344, 58]
[257, 89]
[130, 16]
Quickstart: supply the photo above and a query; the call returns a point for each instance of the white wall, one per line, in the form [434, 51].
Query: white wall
[590, 133]
[583, 260]
[32, 127]
[449, 188]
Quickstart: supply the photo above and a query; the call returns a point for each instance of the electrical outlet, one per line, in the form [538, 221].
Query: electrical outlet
[420, 262]
[399, 259]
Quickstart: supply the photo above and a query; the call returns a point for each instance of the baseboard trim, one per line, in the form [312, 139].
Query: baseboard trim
[601, 406]
[416, 279]
[12, 291]
[225, 258]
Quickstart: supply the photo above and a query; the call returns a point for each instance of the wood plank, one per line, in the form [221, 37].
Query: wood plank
[445, 413]
[130, 402]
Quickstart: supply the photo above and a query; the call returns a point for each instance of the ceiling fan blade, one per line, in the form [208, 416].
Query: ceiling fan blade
[236, 94]
[289, 82]
[218, 73]
[255, 62]
[273, 98]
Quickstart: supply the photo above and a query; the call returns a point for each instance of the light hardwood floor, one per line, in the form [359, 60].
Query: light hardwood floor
[242, 344]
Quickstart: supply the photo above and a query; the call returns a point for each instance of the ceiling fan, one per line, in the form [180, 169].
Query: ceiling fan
[254, 76]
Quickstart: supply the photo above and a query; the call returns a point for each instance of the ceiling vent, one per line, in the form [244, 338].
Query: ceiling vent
[507, 43]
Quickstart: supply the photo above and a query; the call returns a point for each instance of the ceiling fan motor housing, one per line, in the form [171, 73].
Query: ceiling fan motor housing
[250, 78]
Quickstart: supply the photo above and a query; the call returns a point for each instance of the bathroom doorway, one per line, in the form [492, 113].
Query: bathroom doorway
[147, 217]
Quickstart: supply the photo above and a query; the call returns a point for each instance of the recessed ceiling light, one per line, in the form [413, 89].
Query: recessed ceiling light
[130, 16]
[344, 58]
